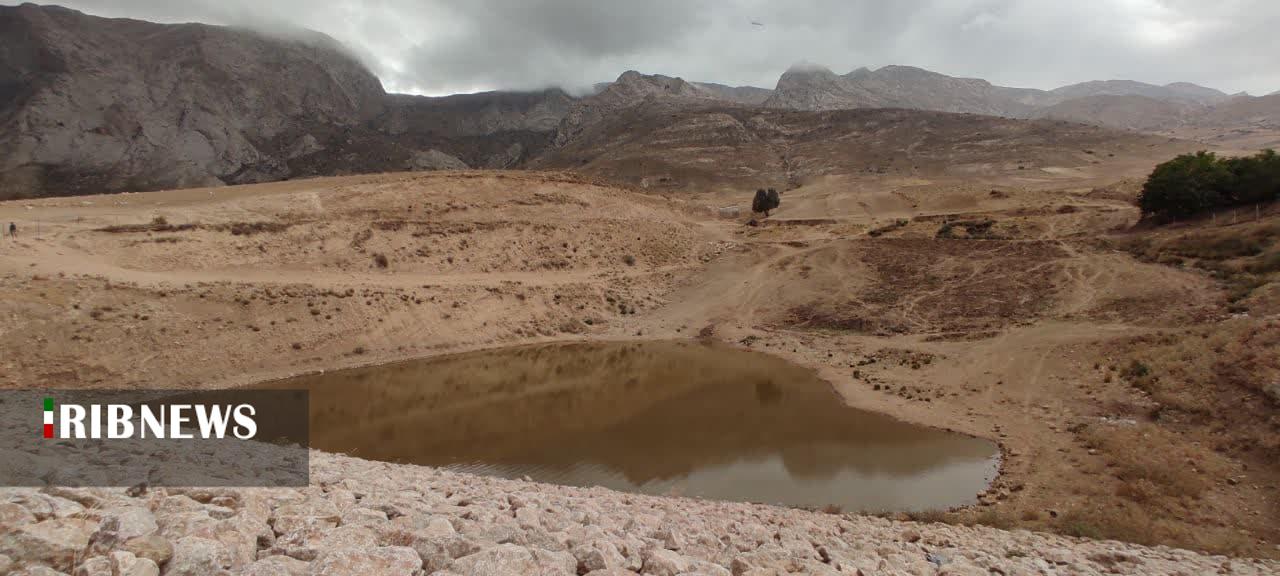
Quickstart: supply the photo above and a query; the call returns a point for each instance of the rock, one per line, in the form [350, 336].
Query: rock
[1059, 556]
[277, 566]
[909, 535]
[663, 562]
[385, 561]
[96, 566]
[434, 160]
[82, 496]
[195, 556]
[13, 515]
[513, 560]
[672, 538]
[962, 569]
[439, 527]
[347, 538]
[433, 537]
[56, 542]
[39, 571]
[126, 564]
[6, 564]
[528, 517]
[358, 516]
[599, 554]
[152, 547]
[44, 506]
[291, 517]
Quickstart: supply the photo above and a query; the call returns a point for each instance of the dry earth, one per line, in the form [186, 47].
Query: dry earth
[986, 304]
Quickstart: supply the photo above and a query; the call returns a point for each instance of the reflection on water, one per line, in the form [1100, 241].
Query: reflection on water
[653, 417]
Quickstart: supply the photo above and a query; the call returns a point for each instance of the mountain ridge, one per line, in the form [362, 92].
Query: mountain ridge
[90, 104]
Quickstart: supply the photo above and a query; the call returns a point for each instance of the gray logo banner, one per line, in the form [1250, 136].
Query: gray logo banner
[107, 438]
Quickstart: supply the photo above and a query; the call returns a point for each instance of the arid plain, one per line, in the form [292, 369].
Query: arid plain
[1007, 303]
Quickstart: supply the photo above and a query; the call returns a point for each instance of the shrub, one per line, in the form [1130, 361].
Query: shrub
[765, 200]
[1255, 178]
[380, 260]
[1194, 183]
[1184, 186]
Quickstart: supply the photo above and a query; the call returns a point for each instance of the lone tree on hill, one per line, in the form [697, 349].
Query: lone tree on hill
[765, 201]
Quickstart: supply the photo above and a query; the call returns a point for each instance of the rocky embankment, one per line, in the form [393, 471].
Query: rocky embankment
[360, 517]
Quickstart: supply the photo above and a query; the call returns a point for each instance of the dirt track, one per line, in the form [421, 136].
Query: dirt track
[1005, 330]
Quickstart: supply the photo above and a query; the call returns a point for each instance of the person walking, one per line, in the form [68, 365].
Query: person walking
[13, 230]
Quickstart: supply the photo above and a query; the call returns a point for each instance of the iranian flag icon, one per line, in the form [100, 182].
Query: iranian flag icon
[48, 417]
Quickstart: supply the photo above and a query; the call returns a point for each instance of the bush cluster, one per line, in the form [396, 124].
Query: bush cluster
[1195, 183]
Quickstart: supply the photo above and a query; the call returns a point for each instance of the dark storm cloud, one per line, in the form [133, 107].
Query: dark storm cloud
[439, 46]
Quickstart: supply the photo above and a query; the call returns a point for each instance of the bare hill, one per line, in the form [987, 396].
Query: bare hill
[1128, 112]
[740, 94]
[660, 144]
[816, 88]
[630, 89]
[1261, 111]
[1175, 92]
[1123, 104]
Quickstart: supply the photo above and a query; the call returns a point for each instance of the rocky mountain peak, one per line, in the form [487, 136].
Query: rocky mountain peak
[630, 89]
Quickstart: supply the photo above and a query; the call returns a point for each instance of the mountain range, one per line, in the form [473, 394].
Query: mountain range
[90, 104]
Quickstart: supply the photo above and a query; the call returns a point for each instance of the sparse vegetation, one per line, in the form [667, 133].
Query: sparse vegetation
[972, 229]
[1244, 257]
[251, 228]
[157, 224]
[890, 227]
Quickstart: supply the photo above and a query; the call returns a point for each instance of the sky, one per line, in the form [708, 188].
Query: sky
[437, 47]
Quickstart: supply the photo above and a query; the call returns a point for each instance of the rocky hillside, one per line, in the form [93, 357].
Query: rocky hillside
[629, 90]
[92, 104]
[1128, 112]
[1176, 92]
[687, 144]
[1244, 110]
[1123, 104]
[740, 94]
[816, 88]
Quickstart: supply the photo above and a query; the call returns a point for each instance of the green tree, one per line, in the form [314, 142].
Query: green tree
[1186, 185]
[1256, 178]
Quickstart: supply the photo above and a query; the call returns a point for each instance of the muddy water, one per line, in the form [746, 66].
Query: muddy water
[675, 418]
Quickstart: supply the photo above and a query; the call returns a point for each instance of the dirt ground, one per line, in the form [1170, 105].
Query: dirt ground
[986, 306]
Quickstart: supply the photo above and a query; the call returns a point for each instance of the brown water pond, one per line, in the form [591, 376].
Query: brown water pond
[671, 418]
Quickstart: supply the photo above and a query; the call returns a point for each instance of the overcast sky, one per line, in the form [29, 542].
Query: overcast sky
[447, 46]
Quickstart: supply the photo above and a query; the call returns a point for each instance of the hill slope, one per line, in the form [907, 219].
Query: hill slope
[92, 104]
[706, 144]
